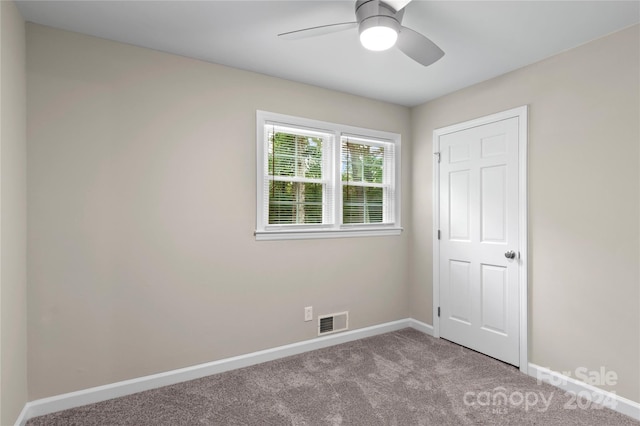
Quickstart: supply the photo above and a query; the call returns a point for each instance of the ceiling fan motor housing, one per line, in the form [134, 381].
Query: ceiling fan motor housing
[371, 13]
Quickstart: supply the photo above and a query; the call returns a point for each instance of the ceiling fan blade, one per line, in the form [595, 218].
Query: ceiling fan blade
[397, 5]
[318, 31]
[418, 47]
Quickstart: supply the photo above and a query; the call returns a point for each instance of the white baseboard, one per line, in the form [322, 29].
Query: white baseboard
[22, 418]
[608, 399]
[421, 326]
[65, 401]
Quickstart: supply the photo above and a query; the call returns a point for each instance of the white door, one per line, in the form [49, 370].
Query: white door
[478, 246]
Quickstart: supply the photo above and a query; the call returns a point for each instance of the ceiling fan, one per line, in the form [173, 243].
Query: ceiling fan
[380, 26]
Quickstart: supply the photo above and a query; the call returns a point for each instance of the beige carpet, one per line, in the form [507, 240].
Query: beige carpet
[399, 378]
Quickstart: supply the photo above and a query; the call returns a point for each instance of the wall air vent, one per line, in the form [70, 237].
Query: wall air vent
[333, 323]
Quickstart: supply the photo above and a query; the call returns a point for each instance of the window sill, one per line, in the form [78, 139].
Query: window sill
[307, 234]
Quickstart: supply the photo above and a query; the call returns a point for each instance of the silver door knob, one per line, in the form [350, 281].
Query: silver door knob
[510, 254]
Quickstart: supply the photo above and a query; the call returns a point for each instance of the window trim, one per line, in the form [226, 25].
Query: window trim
[264, 231]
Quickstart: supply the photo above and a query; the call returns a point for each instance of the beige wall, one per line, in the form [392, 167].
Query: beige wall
[584, 190]
[13, 193]
[142, 210]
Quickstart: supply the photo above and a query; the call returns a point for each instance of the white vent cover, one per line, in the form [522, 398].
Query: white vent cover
[333, 323]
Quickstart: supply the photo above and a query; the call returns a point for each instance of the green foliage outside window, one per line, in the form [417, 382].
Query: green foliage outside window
[362, 164]
[296, 191]
[295, 156]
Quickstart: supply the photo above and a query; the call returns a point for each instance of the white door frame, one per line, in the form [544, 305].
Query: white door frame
[522, 114]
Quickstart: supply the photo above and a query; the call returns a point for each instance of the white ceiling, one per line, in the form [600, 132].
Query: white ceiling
[481, 39]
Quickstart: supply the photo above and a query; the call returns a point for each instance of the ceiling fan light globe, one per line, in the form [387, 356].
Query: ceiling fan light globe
[378, 32]
[378, 38]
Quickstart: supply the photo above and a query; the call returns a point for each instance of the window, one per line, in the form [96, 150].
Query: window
[319, 180]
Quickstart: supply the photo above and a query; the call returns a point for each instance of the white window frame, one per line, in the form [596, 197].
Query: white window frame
[336, 229]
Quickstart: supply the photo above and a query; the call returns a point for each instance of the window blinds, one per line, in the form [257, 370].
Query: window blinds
[297, 189]
[367, 175]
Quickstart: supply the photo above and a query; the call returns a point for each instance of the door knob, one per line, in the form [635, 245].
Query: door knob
[510, 254]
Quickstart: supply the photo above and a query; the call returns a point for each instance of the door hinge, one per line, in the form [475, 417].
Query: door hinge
[438, 311]
[437, 154]
[438, 234]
